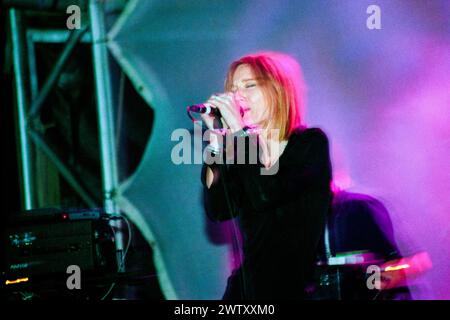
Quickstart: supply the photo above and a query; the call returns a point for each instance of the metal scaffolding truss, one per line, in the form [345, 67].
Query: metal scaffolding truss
[29, 124]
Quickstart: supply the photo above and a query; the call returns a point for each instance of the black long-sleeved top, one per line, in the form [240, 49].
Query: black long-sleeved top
[281, 216]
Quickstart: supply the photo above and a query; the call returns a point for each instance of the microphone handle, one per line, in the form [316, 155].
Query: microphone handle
[206, 108]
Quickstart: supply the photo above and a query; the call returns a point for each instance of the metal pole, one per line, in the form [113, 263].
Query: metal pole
[24, 145]
[108, 154]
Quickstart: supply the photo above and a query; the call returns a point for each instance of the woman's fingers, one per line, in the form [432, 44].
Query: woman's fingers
[208, 120]
[228, 109]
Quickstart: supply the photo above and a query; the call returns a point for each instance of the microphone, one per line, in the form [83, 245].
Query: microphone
[204, 108]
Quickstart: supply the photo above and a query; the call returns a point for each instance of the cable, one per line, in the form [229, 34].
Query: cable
[109, 291]
[122, 262]
[128, 242]
[236, 238]
[191, 117]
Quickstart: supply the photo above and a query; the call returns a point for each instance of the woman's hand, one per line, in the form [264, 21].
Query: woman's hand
[208, 119]
[229, 109]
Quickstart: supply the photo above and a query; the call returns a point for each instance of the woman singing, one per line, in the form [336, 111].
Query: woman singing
[281, 214]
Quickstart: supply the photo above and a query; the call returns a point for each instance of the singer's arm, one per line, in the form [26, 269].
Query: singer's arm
[216, 205]
[209, 177]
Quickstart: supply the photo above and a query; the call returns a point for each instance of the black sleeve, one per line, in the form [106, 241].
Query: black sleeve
[307, 168]
[217, 206]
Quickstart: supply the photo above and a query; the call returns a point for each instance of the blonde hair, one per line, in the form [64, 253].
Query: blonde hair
[283, 86]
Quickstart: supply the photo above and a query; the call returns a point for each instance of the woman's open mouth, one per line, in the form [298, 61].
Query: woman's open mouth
[244, 110]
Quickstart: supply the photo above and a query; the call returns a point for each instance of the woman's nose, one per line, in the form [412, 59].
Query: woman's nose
[239, 96]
